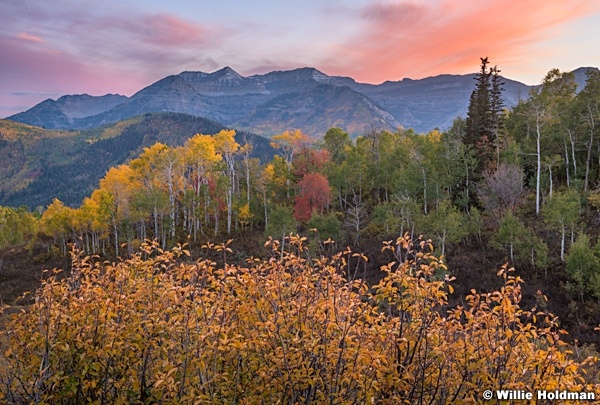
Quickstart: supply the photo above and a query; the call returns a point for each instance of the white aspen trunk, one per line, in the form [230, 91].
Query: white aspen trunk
[550, 170]
[229, 197]
[265, 206]
[562, 244]
[155, 215]
[248, 182]
[588, 161]
[572, 141]
[216, 221]
[539, 165]
[567, 165]
[424, 192]
[116, 233]
[444, 242]
[172, 202]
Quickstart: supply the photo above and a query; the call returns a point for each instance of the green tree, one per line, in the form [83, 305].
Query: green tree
[445, 225]
[484, 117]
[509, 233]
[541, 113]
[337, 141]
[386, 218]
[581, 266]
[521, 242]
[17, 226]
[281, 223]
[587, 110]
[562, 211]
[328, 227]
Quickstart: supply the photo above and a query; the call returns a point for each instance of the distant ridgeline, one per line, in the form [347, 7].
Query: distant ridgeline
[268, 104]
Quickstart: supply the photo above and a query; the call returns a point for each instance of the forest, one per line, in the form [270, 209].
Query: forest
[501, 188]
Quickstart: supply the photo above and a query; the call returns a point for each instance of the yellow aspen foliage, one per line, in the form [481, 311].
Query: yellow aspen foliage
[200, 153]
[120, 183]
[244, 214]
[287, 330]
[289, 143]
[58, 222]
[225, 142]
[268, 172]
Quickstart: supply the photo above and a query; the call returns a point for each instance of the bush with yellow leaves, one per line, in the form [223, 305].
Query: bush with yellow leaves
[287, 330]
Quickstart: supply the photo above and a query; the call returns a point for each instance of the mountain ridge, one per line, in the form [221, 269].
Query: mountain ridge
[262, 103]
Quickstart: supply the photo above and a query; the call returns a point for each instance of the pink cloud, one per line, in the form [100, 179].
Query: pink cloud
[167, 30]
[29, 75]
[100, 32]
[410, 39]
[51, 70]
[156, 29]
[94, 50]
[28, 37]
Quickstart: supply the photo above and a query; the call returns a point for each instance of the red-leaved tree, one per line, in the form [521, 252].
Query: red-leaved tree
[315, 195]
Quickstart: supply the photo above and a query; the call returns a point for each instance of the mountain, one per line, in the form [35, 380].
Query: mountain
[63, 112]
[267, 104]
[581, 76]
[40, 164]
[316, 110]
[434, 101]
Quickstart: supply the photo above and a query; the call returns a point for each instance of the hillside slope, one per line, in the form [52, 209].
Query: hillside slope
[42, 164]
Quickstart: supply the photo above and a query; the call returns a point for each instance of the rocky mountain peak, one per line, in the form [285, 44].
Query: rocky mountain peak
[226, 74]
[192, 76]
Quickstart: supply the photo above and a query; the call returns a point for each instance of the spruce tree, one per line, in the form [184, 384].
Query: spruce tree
[497, 105]
[482, 126]
[483, 121]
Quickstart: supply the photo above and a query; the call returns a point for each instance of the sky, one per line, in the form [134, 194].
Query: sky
[52, 48]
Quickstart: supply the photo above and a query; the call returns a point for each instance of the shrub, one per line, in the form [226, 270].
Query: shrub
[154, 329]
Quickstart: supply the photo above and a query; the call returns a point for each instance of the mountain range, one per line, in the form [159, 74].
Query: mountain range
[267, 104]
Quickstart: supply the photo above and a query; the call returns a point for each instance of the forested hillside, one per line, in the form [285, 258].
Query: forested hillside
[41, 164]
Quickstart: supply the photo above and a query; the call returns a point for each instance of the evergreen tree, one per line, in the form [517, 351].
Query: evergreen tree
[496, 108]
[483, 121]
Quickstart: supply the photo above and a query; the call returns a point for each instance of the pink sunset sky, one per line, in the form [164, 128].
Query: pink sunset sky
[52, 48]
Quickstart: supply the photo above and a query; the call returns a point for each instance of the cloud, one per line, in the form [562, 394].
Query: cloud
[29, 75]
[418, 39]
[94, 47]
[105, 33]
[33, 93]
[28, 37]
[167, 30]
[153, 31]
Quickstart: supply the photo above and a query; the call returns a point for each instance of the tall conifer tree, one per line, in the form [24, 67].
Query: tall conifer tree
[483, 121]
[497, 105]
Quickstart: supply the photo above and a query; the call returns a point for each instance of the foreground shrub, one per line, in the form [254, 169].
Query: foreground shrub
[286, 330]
